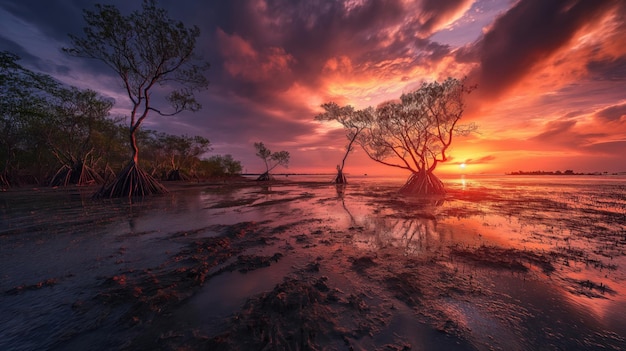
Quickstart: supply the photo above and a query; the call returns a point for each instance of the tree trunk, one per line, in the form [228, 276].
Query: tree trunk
[340, 178]
[423, 183]
[132, 180]
[133, 146]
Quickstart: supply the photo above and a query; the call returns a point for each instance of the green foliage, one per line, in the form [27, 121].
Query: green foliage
[28, 113]
[173, 153]
[52, 133]
[219, 166]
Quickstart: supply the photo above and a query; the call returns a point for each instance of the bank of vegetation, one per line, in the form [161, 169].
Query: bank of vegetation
[54, 134]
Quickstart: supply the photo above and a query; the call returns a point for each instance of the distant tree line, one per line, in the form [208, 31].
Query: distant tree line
[53, 134]
[566, 172]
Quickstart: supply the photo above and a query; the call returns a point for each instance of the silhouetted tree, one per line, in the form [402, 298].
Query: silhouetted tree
[415, 132]
[113, 149]
[71, 136]
[231, 166]
[220, 166]
[182, 153]
[26, 97]
[271, 159]
[354, 122]
[45, 125]
[146, 49]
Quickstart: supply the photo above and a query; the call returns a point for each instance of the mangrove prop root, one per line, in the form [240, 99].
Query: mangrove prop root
[264, 177]
[79, 174]
[176, 174]
[131, 181]
[423, 183]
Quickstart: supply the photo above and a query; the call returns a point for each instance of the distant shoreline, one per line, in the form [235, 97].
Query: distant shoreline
[288, 174]
[565, 173]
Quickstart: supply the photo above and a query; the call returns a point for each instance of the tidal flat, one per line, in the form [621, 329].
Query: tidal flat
[498, 263]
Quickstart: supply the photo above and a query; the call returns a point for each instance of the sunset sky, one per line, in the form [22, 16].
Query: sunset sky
[551, 75]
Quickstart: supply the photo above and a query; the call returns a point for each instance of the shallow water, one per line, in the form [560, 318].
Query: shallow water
[514, 262]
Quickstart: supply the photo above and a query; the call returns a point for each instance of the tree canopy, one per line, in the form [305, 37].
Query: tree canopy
[413, 133]
[46, 124]
[353, 121]
[417, 131]
[271, 159]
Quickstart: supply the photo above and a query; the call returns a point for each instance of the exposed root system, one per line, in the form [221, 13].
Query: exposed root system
[423, 183]
[264, 177]
[130, 182]
[78, 174]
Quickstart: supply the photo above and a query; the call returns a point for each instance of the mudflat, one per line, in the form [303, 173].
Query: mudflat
[505, 263]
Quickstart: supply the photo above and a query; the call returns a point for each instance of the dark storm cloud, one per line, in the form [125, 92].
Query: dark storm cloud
[615, 148]
[615, 113]
[613, 70]
[563, 133]
[56, 21]
[311, 32]
[12, 46]
[555, 129]
[306, 32]
[526, 35]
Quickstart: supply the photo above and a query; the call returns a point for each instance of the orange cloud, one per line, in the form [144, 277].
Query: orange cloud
[243, 61]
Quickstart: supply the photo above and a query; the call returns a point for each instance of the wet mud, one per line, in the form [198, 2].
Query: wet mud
[494, 264]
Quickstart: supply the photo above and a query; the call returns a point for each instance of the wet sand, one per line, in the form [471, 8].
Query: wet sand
[512, 264]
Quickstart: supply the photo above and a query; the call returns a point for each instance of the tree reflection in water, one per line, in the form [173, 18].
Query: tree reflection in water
[410, 226]
[414, 236]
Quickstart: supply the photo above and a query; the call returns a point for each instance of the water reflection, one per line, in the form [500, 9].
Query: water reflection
[340, 190]
[394, 222]
[579, 228]
[412, 236]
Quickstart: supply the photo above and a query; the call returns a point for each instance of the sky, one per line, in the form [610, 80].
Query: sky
[550, 75]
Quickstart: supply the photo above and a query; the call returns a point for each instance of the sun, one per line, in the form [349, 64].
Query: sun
[462, 165]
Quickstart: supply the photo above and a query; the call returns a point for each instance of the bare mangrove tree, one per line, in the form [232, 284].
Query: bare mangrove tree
[146, 49]
[271, 159]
